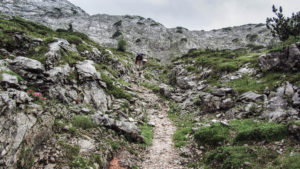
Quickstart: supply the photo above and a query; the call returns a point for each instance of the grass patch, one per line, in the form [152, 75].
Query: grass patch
[184, 125]
[240, 132]
[114, 90]
[84, 122]
[214, 135]
[101, 67]
[70, 57]
[147, 133]
[236, 157]
[269, 79]
[150, 86]
[248, 131]
[217, 60]
[287, 161]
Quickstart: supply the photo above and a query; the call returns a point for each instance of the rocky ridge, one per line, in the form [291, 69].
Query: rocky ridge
[143, 35]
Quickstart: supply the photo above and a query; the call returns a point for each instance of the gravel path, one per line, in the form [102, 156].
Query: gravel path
[161, 154]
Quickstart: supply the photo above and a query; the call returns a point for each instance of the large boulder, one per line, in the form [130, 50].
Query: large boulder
[13, 130]
[165, 90]
[58, 74]
[185, 82]
[287, 59]
[94, 94]
[87, 71]
[54, 53]
[277, 104]
[27, 64]
[127, 128]
[211, 103]
[9, 79]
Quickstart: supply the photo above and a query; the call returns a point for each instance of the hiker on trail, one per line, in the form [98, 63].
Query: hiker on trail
[140, 60]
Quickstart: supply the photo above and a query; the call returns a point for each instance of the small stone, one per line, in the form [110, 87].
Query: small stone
[52, 160]
[85, 110]
[224, 123]
[215, 121]
[246, 163]
[161, 116]
[218, 115]
[151, 124]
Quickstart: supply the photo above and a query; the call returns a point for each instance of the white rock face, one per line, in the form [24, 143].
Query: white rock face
[143, 35]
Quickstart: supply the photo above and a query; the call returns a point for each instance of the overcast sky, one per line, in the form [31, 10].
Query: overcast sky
[192, 14]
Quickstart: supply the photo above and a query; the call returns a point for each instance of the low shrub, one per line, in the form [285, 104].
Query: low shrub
[84, 122]
[213, 136]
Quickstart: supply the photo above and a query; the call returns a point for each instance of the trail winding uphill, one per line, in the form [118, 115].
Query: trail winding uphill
[162, 153]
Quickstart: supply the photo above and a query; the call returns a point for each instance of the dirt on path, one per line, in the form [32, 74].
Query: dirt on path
[161, 154]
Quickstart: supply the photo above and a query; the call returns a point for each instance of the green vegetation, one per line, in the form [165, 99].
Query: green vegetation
[84, 122]
[147, 133]
[217, 60]
[116, 34]
[11, 73]
[269, 79]
[25, 159]
[150, 86]
[213, 136]
[70, 57]
[122, 44]
[283, 27]
[113, 89]
[17, 25]
[235, 157]
[184, 125]
[246, 131]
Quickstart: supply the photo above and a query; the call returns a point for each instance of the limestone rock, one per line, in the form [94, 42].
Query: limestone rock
[128, 128]
[23, 63]
[58, 74]
[165, 90]
[9, 79]
[87, 71]
[288, 59]
[296, 98]
[294, 130]
[251, 96]
[54, 53]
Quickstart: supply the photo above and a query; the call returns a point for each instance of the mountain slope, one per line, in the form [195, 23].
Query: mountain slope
[143, 35]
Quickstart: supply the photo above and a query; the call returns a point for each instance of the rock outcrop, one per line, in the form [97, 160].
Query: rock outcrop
[287, 59]
[143, 35]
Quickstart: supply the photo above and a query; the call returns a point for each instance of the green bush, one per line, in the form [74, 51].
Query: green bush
[214, 135]
[116, 34]
[84, 122]
[122, 45]
[283, 27]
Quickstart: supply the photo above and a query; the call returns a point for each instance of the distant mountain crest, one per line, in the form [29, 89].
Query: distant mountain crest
[142, 34]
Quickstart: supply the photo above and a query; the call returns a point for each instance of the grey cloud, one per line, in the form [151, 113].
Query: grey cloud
[192, 14]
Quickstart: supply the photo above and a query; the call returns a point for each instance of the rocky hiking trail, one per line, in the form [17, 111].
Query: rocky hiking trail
[161, 154]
